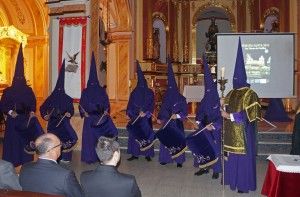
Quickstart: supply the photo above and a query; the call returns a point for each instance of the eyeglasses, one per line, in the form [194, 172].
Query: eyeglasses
[58, 145]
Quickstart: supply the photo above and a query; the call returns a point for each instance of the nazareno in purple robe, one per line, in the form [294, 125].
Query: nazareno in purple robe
[94, 101]
[240, 169]
[141, 99]
[56, 105]
[19, 131]
[208, 112]
[173, 103]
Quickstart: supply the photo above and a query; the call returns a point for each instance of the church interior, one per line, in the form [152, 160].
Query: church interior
[120, 32]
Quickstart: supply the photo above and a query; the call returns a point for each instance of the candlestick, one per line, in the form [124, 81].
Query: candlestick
[222, 72]
[222, 83]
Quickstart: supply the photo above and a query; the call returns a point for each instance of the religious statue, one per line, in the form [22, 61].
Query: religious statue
[275, 26]
[211, 35]
[156, 45]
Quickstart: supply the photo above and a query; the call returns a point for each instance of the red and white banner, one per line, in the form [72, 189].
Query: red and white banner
[72, 48]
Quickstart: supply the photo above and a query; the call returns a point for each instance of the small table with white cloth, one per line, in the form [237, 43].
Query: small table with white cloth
[283, 176]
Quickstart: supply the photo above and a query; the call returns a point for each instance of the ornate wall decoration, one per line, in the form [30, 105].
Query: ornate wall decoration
[226, 9]
[161, 16]
[271, 11]
[13, 33]
[20, 15]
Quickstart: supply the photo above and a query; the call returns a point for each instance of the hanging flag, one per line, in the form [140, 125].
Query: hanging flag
[72, 48]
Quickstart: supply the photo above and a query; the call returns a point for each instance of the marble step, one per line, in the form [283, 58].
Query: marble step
[274, 137]
[274, 147]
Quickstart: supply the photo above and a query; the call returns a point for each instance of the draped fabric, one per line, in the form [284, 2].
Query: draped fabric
[56, 106]
[276, 112]
[141, 133]
[279, 184]
[93, 106]
[72, 44]
[21, 130]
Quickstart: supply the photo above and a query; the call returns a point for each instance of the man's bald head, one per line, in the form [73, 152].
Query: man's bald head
[45, 143]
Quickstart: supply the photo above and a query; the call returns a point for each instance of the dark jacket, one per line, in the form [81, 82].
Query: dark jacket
[48, 177]
[106, 181]
[8, 177]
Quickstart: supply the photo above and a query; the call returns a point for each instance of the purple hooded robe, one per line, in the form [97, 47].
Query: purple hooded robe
[93, 102]
[141, 99]
[173, 103]
[240, 133]
[19, 131]
[56, 106]
[208, 112]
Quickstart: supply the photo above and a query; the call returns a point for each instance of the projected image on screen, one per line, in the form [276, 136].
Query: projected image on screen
[257, 62]
[268, 58]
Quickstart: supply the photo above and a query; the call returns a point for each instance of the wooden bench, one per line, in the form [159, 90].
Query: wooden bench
[14, 193]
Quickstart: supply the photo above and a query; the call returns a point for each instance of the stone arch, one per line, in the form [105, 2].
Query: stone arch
[31, 18]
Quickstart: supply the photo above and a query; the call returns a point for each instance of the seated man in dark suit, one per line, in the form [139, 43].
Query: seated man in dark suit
[8, 177]
[105, 180]
[45, 175]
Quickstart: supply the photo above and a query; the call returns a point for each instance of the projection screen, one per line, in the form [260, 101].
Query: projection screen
[269, 62]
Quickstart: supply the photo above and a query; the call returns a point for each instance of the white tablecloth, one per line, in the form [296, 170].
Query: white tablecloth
[286, 163]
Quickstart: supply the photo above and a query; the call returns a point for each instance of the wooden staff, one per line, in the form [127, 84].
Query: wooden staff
[223, 152]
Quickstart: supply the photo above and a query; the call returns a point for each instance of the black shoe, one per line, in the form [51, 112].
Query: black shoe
[163, 163]
[148, 158]
[240, 192]
[215, 175]
[132, 158]
[201, 171]
[179, 165]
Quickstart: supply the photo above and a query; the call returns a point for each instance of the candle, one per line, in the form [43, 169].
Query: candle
[222, 72]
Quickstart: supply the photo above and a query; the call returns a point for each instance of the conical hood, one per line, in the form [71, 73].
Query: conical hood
[211, 93]
[93, 79]
[19, 78]
[208, 80]
[171, 77]
[60, 83]
[141, 78]
[240, 76]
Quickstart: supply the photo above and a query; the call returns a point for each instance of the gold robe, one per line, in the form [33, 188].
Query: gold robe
[238, 100]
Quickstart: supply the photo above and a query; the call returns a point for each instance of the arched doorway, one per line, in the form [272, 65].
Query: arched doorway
[224, 19]
[30, 18]
[203, 23]
[159, 40]
[10, 39]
